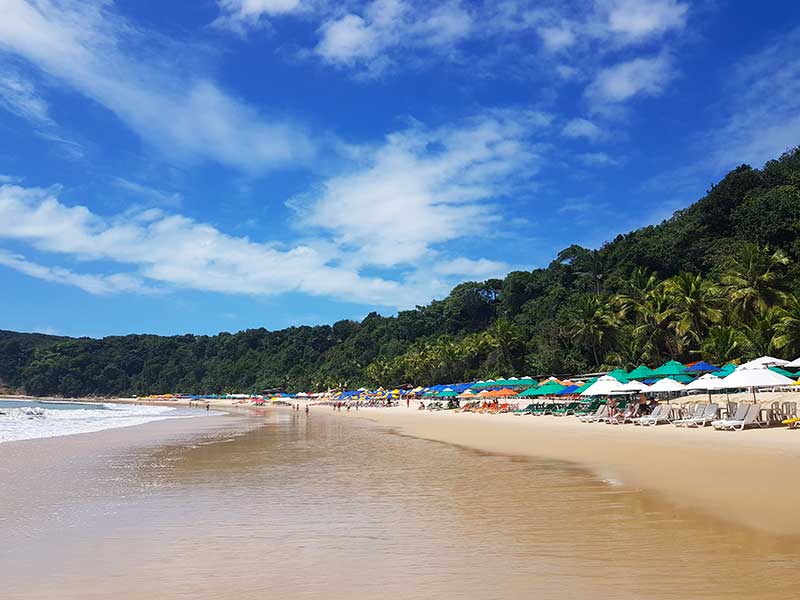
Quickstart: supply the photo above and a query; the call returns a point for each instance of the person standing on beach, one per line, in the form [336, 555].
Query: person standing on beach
[306, 409]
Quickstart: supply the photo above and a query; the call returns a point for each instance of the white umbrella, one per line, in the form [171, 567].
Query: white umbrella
[795, 364]
[632, 387]
[667, 385]
[762, 363]
[602, 387]
[706, 382]
[754, 378]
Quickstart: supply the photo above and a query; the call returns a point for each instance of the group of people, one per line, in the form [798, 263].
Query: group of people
[643, 406]
[347, 405]
[296, 407]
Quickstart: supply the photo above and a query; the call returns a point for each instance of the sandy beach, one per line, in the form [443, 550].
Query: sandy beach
[744, 477]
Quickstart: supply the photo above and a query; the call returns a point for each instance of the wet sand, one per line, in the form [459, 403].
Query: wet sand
[747, 478]
[277, 504]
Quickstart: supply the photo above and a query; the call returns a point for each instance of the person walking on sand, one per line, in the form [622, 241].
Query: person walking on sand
[408, 402]
[306, 409]
[208, 406]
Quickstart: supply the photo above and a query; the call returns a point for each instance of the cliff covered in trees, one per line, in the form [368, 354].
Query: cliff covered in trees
[719, 280]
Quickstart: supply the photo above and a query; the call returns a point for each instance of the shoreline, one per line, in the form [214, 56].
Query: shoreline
[741, 477]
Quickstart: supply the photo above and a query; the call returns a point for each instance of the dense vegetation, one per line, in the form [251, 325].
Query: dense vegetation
[719, 280]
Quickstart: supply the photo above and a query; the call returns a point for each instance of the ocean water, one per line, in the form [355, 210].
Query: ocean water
[286, 506]
[25, 420]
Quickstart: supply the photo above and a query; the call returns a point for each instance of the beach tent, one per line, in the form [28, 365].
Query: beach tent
[667, 385]
[764, 361]
[641, 372]
[670, 368]
[701, 367]
[755, 378]
[602, 387]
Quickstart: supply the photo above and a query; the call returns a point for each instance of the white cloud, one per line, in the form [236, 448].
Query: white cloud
[582, 128]
[761, 104]
[638, 19]
[424, 187]
[479, 269]
[94, 284]
[87, 47]
[168, 250]
[370, 39]
[598, 159]
[19, 96]
[557, 37]
[154, 195]
[623, 81]
[9, 179]
[239, 15]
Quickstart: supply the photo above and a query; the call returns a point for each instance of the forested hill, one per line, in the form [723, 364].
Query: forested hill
[720, 280]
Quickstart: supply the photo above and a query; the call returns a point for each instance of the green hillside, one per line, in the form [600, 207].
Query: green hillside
[719, 280]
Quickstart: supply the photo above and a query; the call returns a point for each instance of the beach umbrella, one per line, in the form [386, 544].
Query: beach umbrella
[795, 364]
[764, 361]
[620, 375]
[725, 370]
[783, 372]
[701, 367]
[641, 372]
[755, 378]
[632, 387]
[670, 368]
[709, 381]
[571, 389]
[602, 387]
[667, 385]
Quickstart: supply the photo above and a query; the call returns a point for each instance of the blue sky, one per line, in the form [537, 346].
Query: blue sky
[215, 165]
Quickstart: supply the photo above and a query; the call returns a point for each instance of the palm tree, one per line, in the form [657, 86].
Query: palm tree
[723, 344]
[752, 280]
[762, 332]
[788, 337]
[629, 350]
[695, 302]
[655, 316]
[506, 337]
[590, 323]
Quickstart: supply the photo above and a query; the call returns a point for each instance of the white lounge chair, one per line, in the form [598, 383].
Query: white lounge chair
[699, 411]
[752, 417]
[709, 415]
[660, 414]
[741, 413]
[630, 413]
[598, 415]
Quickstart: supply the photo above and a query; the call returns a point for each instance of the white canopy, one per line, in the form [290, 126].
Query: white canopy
[667, 385]
[762, 363]
[602, 387]
[754, 378]
[706, 382]
[795, 364]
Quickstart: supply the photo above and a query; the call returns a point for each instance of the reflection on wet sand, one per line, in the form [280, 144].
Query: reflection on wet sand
[291, 507]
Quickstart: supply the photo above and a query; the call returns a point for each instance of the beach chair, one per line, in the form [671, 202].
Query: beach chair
[739, 415]
[660, 414]
[627, 416]
[752, 417]
[709, 415]
[597, 415]
[730, 409]
[565, 409]
[699, 411]
[587, 408]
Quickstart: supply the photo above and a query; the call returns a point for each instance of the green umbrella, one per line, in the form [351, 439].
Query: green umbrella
[585, 385]
[725, 371]
[551, 387]
[620, 375]
[447, 394]
[641, 372]
[783, 372]
[670, 368]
